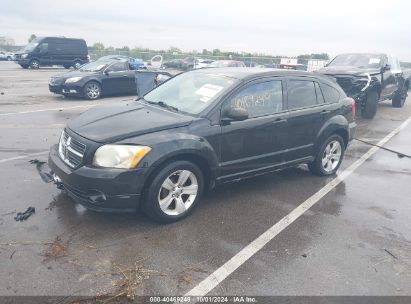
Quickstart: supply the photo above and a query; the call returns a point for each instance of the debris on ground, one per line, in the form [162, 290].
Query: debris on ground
[186, 275]
[22, 216]
[390, 253]
[56, 249]
[130, 279]
[41, 166]
[53, 204]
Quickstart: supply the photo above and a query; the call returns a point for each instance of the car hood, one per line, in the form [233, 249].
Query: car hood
[114, 122]
[74, 73]
[347, 70]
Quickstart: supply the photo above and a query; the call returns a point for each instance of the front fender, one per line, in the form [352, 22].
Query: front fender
[171, 144]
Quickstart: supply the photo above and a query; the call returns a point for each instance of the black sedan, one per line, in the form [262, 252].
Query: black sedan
[201, 128]
[106, 77]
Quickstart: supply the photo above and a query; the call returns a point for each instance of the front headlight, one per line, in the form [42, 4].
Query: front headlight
[73, 79]
[119, 156]
[24, 56]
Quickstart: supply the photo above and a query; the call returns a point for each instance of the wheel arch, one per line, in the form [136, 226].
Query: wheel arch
[195, 158]
[336, 125]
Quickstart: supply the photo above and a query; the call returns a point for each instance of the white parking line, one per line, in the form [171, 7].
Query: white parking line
[209, 283]
[46, 110]
[5, 160]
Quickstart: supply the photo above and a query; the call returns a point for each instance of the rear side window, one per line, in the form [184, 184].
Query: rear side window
[331, 95]
[260, 99]
[68, 46]
[301, 94]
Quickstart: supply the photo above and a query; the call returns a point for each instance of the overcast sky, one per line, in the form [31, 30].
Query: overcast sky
[273, 27]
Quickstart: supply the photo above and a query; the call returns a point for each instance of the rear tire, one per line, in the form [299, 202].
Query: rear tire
[67, 66]
[174, 192]
[34, 64]
[329, 156]
[371, 104]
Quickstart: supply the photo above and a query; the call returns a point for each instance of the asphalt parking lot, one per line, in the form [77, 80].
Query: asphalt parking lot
[354, 240]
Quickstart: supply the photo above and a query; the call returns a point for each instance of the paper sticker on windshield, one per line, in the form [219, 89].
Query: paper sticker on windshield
[204, 99]
[374, 61]
[209, 90]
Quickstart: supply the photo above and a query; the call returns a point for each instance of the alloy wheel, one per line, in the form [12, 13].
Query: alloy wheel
[93, 91]
[331, 156]
[178, 192]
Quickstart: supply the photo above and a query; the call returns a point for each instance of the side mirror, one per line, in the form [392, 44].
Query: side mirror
[387, 67]
[106, 72]
[236, 114]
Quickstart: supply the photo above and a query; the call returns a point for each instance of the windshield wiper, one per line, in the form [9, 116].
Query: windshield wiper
[163, 105]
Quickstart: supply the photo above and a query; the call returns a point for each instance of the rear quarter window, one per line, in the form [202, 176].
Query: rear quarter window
[331, 95]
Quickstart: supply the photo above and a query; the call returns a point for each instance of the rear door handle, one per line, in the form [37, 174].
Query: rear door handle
[279, 121]
[323, 112]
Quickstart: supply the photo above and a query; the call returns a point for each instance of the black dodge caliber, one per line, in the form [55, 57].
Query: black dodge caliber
[198, 129]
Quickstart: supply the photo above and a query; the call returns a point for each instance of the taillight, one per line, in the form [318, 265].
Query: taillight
[353, 108]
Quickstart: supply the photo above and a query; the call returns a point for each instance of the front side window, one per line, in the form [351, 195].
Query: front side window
[301, 94]
[117, 67]
[191, 92]
[44, 47]
[260, 99]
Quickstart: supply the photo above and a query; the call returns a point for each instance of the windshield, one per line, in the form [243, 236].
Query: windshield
[29, 47]
[94, 66]
[218, 64]
[357, 60]
[191, 92]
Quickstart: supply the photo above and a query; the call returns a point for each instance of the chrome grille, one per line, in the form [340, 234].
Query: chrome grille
[71, 151]
[56, 81]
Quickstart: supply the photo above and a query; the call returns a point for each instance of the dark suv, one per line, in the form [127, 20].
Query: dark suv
[369, 78]
[47, 51]
[198, 129]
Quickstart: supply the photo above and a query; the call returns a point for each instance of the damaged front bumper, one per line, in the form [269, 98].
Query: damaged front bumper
[98, 189]
[66, 90]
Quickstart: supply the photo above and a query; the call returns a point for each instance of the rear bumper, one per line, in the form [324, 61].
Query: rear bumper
[99, 189]
[352, 127]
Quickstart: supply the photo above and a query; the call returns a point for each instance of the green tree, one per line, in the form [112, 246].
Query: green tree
[98, 46]
[173, 49]
[216, 52]
[125, 48]
[32, 37]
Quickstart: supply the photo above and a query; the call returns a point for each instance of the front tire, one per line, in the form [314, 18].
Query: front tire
[329, 156]
[77, 64]
[399, 98]
[371, 104]
[34, 64]
[92, 90]
[174, 192]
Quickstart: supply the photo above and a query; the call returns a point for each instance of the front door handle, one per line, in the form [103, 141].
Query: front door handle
[279, 121]
[324, 112]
